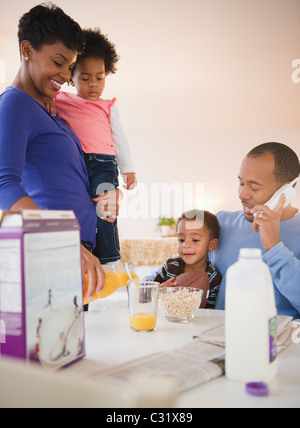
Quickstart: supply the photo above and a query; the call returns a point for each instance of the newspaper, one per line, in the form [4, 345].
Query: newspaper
[198, 362]
[192, 364]
[216, 335]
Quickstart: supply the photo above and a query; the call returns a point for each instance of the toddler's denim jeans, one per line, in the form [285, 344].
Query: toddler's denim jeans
[103, 175]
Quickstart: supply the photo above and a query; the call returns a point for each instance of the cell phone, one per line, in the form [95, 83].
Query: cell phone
[290, 194]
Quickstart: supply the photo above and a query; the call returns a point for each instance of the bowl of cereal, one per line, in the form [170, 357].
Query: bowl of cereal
[179, 304]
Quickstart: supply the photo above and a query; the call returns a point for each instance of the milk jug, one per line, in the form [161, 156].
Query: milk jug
[250, 320]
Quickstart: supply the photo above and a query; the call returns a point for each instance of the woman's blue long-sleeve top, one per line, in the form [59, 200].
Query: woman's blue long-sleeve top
[41, 157]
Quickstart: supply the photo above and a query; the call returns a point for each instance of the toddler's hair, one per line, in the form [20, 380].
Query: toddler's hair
[97, 45]
[210, 221]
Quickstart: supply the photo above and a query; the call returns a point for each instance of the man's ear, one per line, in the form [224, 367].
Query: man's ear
[213, 244]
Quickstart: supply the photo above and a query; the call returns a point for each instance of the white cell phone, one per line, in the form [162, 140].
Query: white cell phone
[290, 194]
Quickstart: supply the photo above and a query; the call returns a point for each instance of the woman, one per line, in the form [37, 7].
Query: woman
[41, 162]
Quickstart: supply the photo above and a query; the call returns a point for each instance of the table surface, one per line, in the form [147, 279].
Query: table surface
[110, 341]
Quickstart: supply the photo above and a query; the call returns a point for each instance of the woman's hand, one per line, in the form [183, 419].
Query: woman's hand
[91, 268]
[108, 205]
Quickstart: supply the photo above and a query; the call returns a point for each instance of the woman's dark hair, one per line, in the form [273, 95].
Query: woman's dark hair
[46, 24]
[287, 166]
[209, 220]
[97, 45]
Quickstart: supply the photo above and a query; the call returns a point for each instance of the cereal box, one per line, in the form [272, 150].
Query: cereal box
[41, 301]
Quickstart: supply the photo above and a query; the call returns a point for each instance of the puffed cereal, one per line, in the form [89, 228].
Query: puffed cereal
[179, 304]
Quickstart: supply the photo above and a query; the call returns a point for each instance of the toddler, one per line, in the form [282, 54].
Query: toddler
[97, 124]
[198, 233]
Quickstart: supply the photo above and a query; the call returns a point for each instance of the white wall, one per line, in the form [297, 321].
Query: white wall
[199, 84]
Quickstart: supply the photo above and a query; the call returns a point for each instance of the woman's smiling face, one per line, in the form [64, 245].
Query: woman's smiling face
[48, 68]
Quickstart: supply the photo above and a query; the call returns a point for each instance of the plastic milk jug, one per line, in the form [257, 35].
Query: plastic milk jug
[250, 320]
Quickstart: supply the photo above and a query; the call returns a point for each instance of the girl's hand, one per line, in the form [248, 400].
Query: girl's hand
[130, 181]
[50, 105]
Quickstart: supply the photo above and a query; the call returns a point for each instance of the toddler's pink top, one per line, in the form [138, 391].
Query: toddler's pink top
[90, 120]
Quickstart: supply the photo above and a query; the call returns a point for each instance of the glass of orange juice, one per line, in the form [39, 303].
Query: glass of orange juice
[143, 299]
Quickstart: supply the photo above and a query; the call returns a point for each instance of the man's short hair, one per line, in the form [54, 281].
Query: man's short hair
[287, 166]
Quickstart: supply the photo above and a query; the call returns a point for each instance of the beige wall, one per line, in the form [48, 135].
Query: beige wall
[199, 84]
[2, 64]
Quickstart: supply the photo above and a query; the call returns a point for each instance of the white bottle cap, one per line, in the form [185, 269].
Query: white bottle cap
[250, 253]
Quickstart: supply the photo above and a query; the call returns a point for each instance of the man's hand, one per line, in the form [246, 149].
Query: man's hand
[91, 268]
[268, 223]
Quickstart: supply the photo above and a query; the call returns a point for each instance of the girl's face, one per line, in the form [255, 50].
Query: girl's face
[47, 69]
[194, 242]
[89, 78]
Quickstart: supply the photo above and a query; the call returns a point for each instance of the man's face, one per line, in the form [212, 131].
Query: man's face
[257, 182]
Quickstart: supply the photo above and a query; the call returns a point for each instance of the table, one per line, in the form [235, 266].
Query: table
[147, 251]
[110, 341]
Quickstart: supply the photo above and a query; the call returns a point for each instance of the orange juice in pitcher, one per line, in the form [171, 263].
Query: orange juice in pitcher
[116, 276]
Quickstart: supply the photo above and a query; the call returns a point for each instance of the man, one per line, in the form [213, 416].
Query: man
[265, 169]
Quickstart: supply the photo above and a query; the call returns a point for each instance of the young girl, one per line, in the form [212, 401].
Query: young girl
[96, 122]
[198, 233]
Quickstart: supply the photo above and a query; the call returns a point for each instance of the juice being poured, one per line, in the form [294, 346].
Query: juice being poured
[115, 277]
[143, 321]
